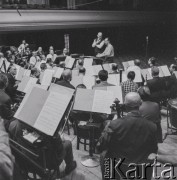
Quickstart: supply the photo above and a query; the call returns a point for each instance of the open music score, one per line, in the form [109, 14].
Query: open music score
[126, 64]
[88, 81]
[163, 72]
[43, 110]
[108, 67]
[88, 62]
[117, 91]
[93, 101]
[93, 70]
[69, 62]
[58, 72]
[47, 77]
[26, 84]
[21, 72]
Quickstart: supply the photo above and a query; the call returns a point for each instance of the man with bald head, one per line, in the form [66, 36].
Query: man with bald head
[130, 138]
[136, 66]
[98, 44]
[66, 78]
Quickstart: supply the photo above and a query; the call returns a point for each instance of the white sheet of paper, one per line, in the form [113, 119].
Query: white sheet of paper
[47, 77]
[100, 104]
[114, 79]
[165, 70]
[58, 72]
[89, 71]
[161, 74]
[36, 85]
[69, 62]
[96, 69]
[131, 63]
[52, 112]
[29, 85]
[88, 62]
[27, 72]
[89, 81]
[18, 69]
[117, 90]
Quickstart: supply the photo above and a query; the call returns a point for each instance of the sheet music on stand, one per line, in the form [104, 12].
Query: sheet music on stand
[165, 70]
[107, 67]
[43, 110]
[114, 79]
[117, 91]
[126, 64]
[47, 77]
[88, 62]
[58, 72]
[93, 101]
[69, 62]
[146, 74]
[93, 70]
[26, 84]
[18, 71]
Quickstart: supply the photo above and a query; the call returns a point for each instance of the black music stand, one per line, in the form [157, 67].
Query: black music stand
[91, 160]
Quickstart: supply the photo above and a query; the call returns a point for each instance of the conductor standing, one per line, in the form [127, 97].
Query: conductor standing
[98, 44]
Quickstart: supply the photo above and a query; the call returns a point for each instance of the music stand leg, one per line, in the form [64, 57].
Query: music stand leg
[90, 160]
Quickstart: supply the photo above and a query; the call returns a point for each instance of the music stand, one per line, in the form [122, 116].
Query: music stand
[91, 160]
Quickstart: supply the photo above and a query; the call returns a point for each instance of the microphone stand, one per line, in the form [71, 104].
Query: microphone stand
[147, 43]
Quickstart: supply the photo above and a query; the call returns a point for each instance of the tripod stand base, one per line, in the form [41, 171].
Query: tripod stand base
[90, 161]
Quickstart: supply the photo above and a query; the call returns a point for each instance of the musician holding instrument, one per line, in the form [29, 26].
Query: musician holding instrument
[98, 43]
[22, 47]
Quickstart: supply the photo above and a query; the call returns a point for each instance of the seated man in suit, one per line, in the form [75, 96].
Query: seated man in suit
[171, 82]
[129, 85]
[136, 66]
[130, 139]
[150, 110]
[66, 78]
[108, 53]
[103, 76]
[157, 86]
[12, 86]
[5, 101]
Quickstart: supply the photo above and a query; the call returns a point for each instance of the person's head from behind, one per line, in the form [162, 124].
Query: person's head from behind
[107, 41]
[144, 93]
[3, 81]
[13, 70]
[131, 75]
[82, 70]
[80, 62]
[114, 67]
[155, 71]
[103, 75]
[99, 35]
[82, 86]
[132, 101]
[67, 75]
[152, 61]
[43, 66]
[137, 62]
[173, 68]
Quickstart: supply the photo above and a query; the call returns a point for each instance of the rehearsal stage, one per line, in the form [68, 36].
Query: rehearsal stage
[95, 173]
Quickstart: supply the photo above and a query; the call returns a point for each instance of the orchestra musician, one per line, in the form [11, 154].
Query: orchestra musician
[22, 47]
[98, 43]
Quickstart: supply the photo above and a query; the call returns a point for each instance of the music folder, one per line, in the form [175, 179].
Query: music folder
[126, 64]
[43, 110]
[58, 72]
[93, 101]
[88, 62]
[46, 77]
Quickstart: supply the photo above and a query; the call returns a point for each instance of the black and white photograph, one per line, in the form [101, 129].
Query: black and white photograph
[88, 89]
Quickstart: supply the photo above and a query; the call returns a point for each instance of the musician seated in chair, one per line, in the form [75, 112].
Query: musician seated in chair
[150, 110]
[5, 102]
[108, 53]
[130, 139]
[103, 76]
[12, 84]
[114, 68]
[172, 82]
[157, 86]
